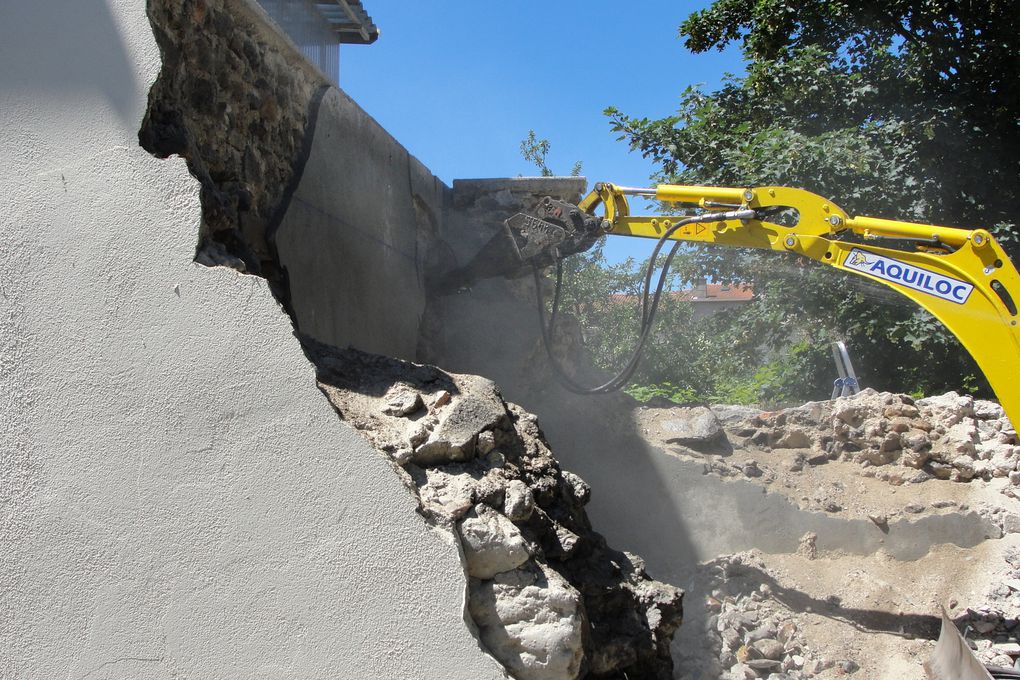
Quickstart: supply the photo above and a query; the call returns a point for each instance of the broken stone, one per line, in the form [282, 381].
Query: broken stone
[820, 459]
[770, 648]
[441, 399]
[915, 440]
[449, 496]
[519, 503]
[762, 664]
[881, 521]
[808, 545]
[532, 620]
[478, 407]
[793, 438]
[950, 408]
[786, 632]
[763, 633]
[988, 410]
[848, 412]
[402, 401]
[696, 427]
[729, 414]
[964, 468]
[579, 489]
[901, 410]
[751, 469]
[491, 489]
[890, 443]
[1007, 648]
[914, 459]
[742, 672]
[900, 424]
[492, 544]
[485, 443]
[1011, 524]
[877, 456]
[984, 627]
[846, 667]
[567, 540]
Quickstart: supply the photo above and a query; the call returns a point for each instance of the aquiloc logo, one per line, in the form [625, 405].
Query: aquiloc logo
[911, 276]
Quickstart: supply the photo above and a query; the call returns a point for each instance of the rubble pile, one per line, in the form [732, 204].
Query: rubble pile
[952, 437]
[549, 598]
[992, 627]
[749, 633]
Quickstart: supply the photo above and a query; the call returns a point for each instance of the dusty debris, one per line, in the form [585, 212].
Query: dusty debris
[750, 633]
[841, 457]
[549, 598]
[886, 469]
[946, 437]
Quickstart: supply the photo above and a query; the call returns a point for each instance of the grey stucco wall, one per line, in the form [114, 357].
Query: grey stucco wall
[176, 497]
[357, 234]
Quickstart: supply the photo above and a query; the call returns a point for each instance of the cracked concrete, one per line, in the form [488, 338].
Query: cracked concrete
[172, 484]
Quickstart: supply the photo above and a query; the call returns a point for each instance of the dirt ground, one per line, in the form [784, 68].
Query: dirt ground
[834, 613]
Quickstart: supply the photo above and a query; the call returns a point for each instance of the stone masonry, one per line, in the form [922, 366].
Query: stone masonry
[235, 104]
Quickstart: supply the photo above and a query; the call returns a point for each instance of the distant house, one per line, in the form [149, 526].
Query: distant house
[709, 298]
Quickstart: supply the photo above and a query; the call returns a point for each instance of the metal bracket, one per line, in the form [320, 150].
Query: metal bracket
[846, 384]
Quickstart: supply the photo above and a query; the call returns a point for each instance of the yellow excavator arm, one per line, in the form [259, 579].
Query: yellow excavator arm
[962, 276]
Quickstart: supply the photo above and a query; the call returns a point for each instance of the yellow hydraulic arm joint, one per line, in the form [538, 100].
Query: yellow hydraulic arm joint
[962, 276]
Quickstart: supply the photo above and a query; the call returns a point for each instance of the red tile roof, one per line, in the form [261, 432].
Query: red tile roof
[717, 291]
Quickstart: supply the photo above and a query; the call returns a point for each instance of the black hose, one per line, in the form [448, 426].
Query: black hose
[649, 307]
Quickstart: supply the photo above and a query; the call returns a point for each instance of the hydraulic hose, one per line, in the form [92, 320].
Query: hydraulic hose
[649, 306]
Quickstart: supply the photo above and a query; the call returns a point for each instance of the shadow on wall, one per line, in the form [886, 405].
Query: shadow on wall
[91, 59]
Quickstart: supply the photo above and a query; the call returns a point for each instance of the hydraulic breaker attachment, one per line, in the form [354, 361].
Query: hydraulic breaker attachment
[555, 230]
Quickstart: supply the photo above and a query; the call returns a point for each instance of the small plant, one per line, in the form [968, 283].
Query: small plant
[535, 150]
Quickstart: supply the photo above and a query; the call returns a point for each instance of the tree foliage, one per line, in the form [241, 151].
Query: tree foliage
[906, 109]
[535, 151]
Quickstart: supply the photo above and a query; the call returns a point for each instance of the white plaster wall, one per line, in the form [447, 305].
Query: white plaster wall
[176, 497]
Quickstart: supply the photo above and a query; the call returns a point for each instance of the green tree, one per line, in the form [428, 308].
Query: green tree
[535, 151]
[906, 109]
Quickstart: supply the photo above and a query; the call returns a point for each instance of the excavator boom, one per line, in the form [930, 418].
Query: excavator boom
[961, 276]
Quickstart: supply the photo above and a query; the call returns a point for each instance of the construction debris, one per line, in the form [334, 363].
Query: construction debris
[549, 598]
[946, 437]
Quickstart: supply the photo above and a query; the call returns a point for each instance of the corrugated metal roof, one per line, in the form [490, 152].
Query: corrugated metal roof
[349, 20]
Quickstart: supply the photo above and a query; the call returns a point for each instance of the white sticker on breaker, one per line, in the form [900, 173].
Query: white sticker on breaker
[911, 276]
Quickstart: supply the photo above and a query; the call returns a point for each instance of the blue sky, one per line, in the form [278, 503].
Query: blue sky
[460, 83]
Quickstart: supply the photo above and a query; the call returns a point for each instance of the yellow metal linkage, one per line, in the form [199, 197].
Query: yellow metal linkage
[963, 277]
